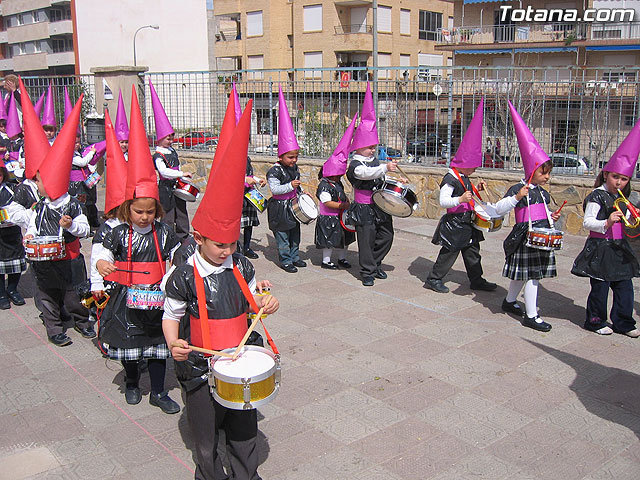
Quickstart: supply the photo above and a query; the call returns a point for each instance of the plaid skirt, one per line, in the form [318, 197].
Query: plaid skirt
[8, 267]
[249, 214]
[528, 263]
[160, 351]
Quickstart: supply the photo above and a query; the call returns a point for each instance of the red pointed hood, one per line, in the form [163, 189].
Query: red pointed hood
[116, 168]
[36, 145]
[141, 177]
[56, 166]
[219, 213]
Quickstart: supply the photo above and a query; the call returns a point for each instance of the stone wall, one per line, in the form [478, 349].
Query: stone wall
[426, 182]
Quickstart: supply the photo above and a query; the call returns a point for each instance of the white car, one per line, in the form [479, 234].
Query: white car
[569, 164]
[271, 149]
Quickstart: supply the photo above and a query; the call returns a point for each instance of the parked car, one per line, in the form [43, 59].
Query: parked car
[270, 149]
[385, 153]
[208, 146]
[194, 138]
[569, 163]
[429, 146]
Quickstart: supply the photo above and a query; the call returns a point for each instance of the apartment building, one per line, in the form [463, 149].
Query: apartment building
[37, 37]
[312, 34]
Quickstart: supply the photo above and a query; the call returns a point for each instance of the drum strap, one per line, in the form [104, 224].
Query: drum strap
[473, 188]
[157, 245]
[202, 309]
[247, 294]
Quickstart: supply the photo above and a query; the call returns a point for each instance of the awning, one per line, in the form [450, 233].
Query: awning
[613, 48]
[494, 51]
[487, 1]
[546, 50]
[491, 51]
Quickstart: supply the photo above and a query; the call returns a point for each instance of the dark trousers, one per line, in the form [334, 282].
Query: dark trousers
[206, 417]
[246, 238]
[288, 242]
[621, 310]
[374, 242]
[178, 219]
[53, 300]
[446, 259]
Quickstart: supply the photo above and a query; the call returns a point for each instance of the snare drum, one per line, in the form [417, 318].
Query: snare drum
[484, 219]
[544, 238]
[344, 224]
[41, 249]
[92, 180]
[186, 191]
[145, 297]
[304, 208]
[249, 381]
[395, 198]
[257, 199]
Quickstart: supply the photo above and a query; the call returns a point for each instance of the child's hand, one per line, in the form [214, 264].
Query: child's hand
[187, 175]
[615, 216]
[555, 216]
[262, 182]
[263, 285]
[482, 186]
[466, 197]
[392, 166]
[97, 294]
[250, 180]
[269, 303]
[66, 221]
[295, 183]
[28, 237]
[180, 353]
[344, 205]
[523, 192]
[105, 268]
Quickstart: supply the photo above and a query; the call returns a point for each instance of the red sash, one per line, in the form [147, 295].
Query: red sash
[126, 278]
[72, 250]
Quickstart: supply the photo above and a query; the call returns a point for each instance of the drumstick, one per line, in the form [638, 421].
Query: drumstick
[246, 335]
[203, 350]
[558, 210]
[402, 172]
[486, 190]
[132, 271]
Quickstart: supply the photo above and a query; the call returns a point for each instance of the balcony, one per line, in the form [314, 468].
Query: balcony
[6, 64]
[64, 27]
[61, 59]
[227, 35]
[353, 29]
[4, 37]
[565, 33]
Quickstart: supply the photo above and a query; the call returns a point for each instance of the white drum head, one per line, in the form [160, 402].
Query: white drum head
[308, 206]
[250, 363]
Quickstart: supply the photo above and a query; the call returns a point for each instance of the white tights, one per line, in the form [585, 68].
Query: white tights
[530, 295]
[326, 254]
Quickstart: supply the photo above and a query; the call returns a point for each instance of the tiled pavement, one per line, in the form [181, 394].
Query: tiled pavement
[390, 382]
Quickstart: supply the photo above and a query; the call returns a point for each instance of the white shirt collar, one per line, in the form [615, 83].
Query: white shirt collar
[113, 222]
[362, 158]
[205, 268]
[141, 230]
[58, 202]
[164, 150]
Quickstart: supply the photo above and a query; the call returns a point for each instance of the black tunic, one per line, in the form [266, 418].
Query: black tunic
[605, 259]
[361, 213]
[11, 247]
[166, 187]
[224, 300]
[124, 327]
[329, 232]
[77, 189]
[24, 195]
[518, 234]
[249, 211]
[454, 230]
[279, 212]
[187, 249]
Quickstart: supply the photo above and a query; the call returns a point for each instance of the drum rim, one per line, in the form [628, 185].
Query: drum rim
[401, 197]
[243, 406]
[212, 361]
[295, 208]
[344, 225]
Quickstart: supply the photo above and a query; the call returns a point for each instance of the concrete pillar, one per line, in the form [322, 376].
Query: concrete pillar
[119, 77]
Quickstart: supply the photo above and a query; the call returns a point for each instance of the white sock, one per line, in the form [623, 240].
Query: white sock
[342, 253]
[326, 255]
[514, 290]
[531, 299]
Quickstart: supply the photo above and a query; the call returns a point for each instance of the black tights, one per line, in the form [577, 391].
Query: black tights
[11, 285]
[157, 369]
[246, 237]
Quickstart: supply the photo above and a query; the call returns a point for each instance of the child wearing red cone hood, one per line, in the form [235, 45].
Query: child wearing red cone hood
[215, 270]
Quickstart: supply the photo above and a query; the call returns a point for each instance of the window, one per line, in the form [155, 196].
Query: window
[384, 19]
[255, 62]
[405, 60]
[59, 14]
[429, 60]
[312, 18]
[405, 22]
[430, 22]
[59, 45]
[313, 60]
[40, 16]
[384, 60]
[254, 24]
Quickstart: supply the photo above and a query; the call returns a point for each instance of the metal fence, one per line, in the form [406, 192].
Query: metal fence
[578, 115]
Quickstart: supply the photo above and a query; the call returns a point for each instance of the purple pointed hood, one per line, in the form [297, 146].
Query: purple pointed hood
[163, 125]
[336, 164]
[286, 136]
[121, 127]
[13, 122]
[625, 157]
[236, 99]
[38, 106]
[49, 114]
[68, 107]
[531, 152]
[469, 154]
[367, 132]
[3, 110]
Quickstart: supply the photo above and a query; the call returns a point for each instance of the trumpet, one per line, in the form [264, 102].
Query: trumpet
[632, 210]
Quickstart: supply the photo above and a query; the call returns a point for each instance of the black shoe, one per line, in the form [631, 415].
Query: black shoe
[4, 303]
[344, 263]
[16, 298]
[133, 395]
[531, 323]
[329, 266]
[300, 263]
[88, 332]
[512, 307]
[367, 281]
[289, 268]
[163, 401]
[482, 284]
[60, 340]
[250, 254]
[380, 274]
[436, 285]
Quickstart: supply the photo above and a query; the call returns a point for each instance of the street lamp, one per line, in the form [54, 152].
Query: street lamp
[155, 27]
